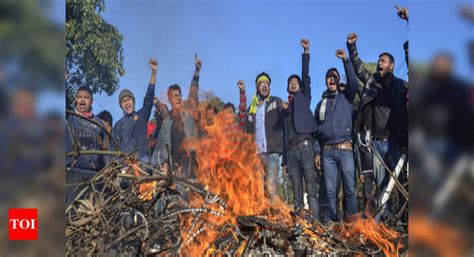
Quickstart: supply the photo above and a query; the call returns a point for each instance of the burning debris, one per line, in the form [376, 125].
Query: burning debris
[222, 211]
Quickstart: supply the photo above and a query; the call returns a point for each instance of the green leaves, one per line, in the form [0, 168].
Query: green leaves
[94, 54]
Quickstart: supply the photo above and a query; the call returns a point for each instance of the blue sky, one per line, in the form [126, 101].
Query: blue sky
[239, 39]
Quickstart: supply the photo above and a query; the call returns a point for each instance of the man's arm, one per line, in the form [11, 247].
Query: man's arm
[242, 105]
[150, 93]
[362, 73]
[160, 154]
[161, 112]
[352, 83]
[306, 80]
[194, 89]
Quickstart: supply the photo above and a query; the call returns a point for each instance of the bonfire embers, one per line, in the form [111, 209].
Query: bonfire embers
[226, 211]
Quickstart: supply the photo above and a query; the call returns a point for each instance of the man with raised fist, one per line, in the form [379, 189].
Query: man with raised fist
[382, 111]
[130, 132]
[298, 152]
[333, 145]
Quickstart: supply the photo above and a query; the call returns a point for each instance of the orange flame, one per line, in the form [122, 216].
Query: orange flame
[369, 231]
[443, 239]
[228, 166]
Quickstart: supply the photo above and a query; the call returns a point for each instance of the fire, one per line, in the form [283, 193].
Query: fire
[229, 167]
[146, 190]
[367, 231]
[441, 238]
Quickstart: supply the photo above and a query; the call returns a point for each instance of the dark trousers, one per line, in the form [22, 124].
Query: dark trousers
[333, 162]
[301, 166]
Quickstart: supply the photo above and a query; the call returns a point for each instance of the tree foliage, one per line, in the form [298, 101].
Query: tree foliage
[94, 54]
[31, 45]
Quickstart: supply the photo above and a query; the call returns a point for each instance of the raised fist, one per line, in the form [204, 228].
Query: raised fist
[402, 12]
[197, 62]
[352, 38]
[305, 43]
[341, 54]
[241, 85]
[153, 64]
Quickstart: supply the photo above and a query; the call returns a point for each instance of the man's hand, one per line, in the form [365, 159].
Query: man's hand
[341, 54]
[351, 38]
[284, 105]
[305, 44]
[402, 12]
[362, 178]
[284, 170]
[241, 85]
[153, 64]
[317, 161]
[197, 62]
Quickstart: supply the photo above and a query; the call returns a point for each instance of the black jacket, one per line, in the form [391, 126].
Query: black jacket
[300, 116]
[398, 121]
[274, 124]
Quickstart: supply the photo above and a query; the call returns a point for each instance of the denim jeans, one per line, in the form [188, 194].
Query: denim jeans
[271, 164]
[389, 151]
[342, 161]
[301, 166]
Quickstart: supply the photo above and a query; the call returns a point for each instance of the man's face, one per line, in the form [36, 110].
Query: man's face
[263, 88]
[294, 85]
[384, 65]
[176, 99]
[331, 82]
[127, 104]
[210, 115]
[83, 101]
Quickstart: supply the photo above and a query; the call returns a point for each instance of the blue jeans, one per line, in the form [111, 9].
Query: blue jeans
[270, 163]
[389, 151]
[301, 165]
[342, 161]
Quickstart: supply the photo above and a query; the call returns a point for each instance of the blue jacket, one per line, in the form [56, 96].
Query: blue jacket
[130, 131]
[84, 135]
[337, 125]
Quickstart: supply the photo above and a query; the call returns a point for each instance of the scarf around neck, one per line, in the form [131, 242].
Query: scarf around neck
[322, 107]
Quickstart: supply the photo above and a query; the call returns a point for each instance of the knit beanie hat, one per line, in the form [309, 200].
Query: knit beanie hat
[124, 93]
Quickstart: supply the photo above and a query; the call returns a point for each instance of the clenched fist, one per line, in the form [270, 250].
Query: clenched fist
[341, 54]
[241, 85]
[305, 43]
[153, 63]
[352, 38]
[402, 13]
[197, 62]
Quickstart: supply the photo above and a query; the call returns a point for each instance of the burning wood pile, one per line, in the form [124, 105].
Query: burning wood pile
[222, 211]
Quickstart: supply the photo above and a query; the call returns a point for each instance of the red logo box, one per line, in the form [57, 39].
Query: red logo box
[23, 224]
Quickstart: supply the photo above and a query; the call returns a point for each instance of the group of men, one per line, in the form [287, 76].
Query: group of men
[317, 148]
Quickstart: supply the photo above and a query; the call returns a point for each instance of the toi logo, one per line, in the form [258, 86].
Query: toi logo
[23, 224]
